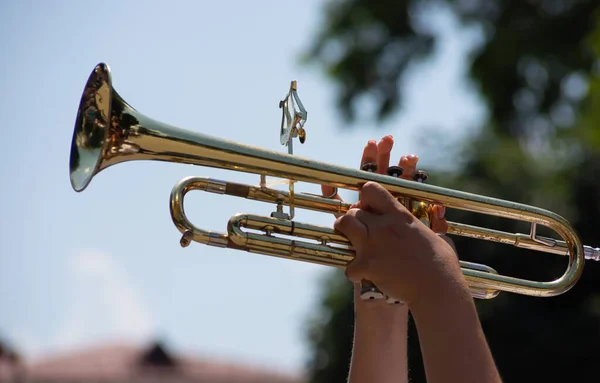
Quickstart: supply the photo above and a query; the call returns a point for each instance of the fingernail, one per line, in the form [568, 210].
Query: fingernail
[441, 212]
[411, 156]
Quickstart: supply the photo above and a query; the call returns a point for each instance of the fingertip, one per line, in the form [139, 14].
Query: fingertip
[440, 211]
[327, 192]
[351, 274]
[409, 164]
[438, 220]
[386, 144]
[370, 185]
[357, 270]
[439, 226]
[384, 148]
[376, 198]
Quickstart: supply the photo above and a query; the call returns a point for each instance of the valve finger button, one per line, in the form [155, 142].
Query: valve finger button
[395, 171]
[369, 167]
[420, 176]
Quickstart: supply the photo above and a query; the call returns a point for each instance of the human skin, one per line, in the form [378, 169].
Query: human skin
[425, 276]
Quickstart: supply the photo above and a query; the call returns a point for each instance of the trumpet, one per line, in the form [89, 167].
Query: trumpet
[109, 131]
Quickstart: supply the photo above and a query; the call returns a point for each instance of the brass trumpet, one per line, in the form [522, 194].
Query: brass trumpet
[109, 131]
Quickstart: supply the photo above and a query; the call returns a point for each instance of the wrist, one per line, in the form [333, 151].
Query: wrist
[447, 297]
[379, 316]
[377, 307]
[381, 313]
[440, 284]
[382, 325]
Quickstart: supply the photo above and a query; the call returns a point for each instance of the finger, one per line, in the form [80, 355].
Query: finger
[327, 191]
[369, 153]
[369, 156]
[369, 220]
[352, 228]
[438, 219]
[384, 148]
[357, 270]
[409, 164]
[375, 198]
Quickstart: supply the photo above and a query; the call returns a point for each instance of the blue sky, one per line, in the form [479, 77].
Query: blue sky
[105, 264]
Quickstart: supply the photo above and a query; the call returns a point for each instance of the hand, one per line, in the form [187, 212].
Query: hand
[395, 250]
[379, 153]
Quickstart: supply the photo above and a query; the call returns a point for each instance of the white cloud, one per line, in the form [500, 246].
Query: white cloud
[105, 306]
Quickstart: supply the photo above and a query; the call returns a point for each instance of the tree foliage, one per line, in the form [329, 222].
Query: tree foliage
[538, 72]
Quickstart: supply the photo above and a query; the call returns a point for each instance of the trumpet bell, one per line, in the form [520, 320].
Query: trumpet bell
[91, 128]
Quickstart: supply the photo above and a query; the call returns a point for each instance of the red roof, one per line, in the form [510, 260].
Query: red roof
[121, 363]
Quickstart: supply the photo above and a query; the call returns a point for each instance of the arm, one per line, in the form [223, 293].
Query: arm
[407, 260]
[379, 353]
[452, 341]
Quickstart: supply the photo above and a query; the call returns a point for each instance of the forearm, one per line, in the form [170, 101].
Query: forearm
[452, 341]
[379, 353]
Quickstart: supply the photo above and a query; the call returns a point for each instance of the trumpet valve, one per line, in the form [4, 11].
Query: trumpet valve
[395, 171]
[370, 167]
[420, 176]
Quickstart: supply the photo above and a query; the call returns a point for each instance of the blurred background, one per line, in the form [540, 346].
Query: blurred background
[497, 98]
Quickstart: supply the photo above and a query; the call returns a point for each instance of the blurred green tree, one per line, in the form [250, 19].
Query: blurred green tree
[538, 72]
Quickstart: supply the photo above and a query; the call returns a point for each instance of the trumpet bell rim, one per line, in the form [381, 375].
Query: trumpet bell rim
[91, 130]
